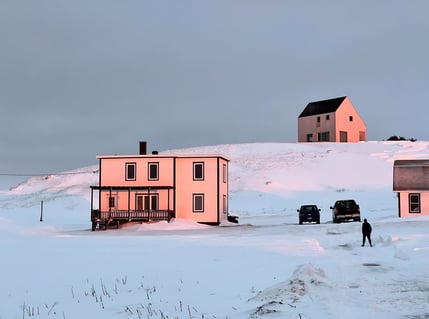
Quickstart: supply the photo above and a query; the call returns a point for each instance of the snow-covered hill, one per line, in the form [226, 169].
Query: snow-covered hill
[268, 266]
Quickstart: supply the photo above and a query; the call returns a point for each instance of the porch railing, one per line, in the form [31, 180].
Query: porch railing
[132, 215]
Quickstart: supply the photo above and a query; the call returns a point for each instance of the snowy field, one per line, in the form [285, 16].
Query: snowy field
[267, 266]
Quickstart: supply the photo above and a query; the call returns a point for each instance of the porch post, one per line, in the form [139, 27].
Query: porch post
[150, 202]
[129, 204]
[92, 202]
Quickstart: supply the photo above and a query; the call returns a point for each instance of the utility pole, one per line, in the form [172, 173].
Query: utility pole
[41, 211]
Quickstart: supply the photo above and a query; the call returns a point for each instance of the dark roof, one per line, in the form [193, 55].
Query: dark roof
[411, 175]
[322, 107]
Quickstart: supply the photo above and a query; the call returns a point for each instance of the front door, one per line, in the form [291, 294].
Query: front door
[147, 201]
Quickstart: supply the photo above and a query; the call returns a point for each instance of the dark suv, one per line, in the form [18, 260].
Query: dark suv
[345, 210]
[309, 213]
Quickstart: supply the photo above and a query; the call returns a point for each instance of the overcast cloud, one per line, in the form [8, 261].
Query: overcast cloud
[86, 78]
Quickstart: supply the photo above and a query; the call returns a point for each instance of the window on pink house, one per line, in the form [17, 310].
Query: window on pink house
[111, 202]
[198, 171]
[153, 171]
[198, 203]
[225, 173]
[414, 202]
[323, 137]
[130, 171]
[351, 118]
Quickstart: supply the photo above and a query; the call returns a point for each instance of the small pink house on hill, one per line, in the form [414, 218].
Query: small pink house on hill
[160, 187]
[411, 183]
[333, 120]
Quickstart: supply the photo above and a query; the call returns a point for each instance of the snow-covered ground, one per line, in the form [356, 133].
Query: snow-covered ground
[267, 266]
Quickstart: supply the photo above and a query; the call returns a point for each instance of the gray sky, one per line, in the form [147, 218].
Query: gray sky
[86, 78]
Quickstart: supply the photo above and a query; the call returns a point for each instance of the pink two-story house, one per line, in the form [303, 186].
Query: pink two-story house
[160, 187]
[332, 120]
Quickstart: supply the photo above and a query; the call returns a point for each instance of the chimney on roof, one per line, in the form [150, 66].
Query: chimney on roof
[143, 148]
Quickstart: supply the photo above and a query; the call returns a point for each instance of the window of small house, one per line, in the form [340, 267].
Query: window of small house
[323, 137]
[414, 200]
[198, 203]
[225, 204]
[130, 171]
[198, 171]
[351, 118]
[153, 171]
[225, 173]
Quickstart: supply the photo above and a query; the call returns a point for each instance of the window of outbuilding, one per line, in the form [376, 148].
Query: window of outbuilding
[414, 202]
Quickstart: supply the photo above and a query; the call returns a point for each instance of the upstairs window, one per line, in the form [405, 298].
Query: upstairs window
[225, 173]
[318, 119]
[198, 171]
[130, 171]
[153, 171]
[351, 118]
[327, 117]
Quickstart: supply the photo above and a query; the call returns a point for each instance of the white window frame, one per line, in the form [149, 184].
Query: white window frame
[149, 171]
[127, 176]
[195, 165]
[195, 198]
[414, 204]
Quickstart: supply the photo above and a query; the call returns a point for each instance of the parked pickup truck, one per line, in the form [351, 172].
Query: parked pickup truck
[344, 210]
[309, 213]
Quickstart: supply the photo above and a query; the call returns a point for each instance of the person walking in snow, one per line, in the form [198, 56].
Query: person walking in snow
[366, 232]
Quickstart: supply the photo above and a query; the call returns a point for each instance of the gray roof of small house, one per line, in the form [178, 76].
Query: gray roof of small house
[322, 107]
[411, 175]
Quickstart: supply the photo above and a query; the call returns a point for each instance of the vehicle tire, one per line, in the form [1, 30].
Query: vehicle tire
[318, 221]
[300, 222]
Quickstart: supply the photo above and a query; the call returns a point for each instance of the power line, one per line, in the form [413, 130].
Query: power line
[39, 174]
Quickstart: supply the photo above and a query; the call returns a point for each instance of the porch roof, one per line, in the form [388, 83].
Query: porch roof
[126, 188]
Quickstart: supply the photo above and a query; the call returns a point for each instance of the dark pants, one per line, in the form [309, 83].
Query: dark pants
[364, 236]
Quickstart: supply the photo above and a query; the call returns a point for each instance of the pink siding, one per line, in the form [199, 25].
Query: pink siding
[343, 123]
[404, 206]
[334, 123]
[176, 173]
[310, 125]
[208, 187]
[113, 171]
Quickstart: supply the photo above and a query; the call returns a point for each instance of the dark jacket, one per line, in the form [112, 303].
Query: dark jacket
[366, 228]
